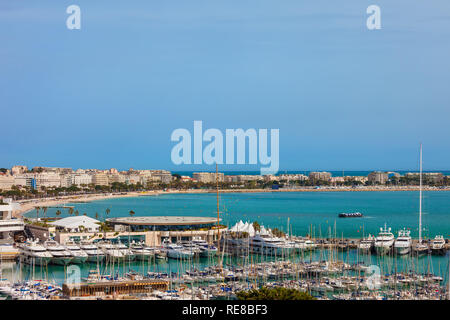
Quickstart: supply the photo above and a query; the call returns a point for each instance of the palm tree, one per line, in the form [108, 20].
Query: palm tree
[70, 211]
[45, 211]
[77, 213]
[37, 212]
[132, 213]
[58, 213]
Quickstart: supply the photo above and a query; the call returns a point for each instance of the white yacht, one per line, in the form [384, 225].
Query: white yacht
[310, 245]
[384, 241]
[127, 252]
[141, 252]
[263, 244]
[438, 245]
[60, 255]
[190, 246]
[79, 256]
[403, 242]
[206, 248]
[111, 251]
[93, 252]
[175, 251]
[34, 253]
[366, 244]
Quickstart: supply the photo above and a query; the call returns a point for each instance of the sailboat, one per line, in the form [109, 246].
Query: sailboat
[420, 248]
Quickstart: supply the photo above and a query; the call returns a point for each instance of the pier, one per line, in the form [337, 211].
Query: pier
[113, 288]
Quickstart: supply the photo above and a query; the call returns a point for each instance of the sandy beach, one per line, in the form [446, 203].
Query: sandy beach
[31, 204]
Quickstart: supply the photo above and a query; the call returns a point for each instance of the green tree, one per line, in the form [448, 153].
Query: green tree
[58, 213]
[278, 293]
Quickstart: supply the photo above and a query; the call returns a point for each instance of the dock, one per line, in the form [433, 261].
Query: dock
[113, 288]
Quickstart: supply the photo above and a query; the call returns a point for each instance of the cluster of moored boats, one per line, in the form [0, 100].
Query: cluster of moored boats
[386, 243]
[51, 252]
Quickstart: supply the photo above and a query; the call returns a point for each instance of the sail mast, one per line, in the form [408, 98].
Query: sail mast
[420, 196]
[218, 213]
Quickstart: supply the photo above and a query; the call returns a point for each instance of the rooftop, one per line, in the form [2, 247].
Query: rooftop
[163, 220]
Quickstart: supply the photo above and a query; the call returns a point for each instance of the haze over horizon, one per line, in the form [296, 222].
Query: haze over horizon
[110, 95]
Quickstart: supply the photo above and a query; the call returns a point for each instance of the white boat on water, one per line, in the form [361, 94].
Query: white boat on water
[206, 248]
[403, 242]
[79, 256]
[268, 245]
[34, 254]
[111, 251]
[366, 244]
[127, 252]
[142, 252]
[93, 252]
[384, 241]
[190, 246]
[61, 255]
[175, 251]
[438, 245]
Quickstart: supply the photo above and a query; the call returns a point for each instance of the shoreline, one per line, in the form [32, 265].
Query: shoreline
[30, 204]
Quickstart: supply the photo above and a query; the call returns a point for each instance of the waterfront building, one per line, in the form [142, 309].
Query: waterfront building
[207, 177]
[360, 179]
[6, 182]
[163, 175]
[100, 179]
[77, 224]
[16, 170]
[378, 177]
[25, 180]
[434, 177]
[48, 180]
[8, 224]
[319, 176]
[79, 179]
[157, 228]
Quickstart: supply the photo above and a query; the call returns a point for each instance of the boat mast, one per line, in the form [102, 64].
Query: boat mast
[218, 213]
[420, 196]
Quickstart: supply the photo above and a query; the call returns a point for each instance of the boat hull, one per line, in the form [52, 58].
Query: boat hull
[38, 261]
[94, 258]
[439, 251]
[61, 261]
[382, 249]
[79, 259]
[402, 250]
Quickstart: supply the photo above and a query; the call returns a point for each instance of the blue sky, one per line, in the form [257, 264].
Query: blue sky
[110, 94]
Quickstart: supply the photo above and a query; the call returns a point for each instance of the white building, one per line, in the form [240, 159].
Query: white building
[8, 225]
[6, 182]
[77, 224]
[79, 179]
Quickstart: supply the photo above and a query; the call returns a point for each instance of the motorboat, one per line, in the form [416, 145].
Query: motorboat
[79, 256]
[438, 245]
[176, 251]
[384, 241]
[402, 244]
[93, 252]
[31, 252]
[61, 256]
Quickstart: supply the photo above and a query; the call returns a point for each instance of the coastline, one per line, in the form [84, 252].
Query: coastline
[30, 204]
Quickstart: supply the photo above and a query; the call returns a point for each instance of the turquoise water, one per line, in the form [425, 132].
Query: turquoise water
[305, 209]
